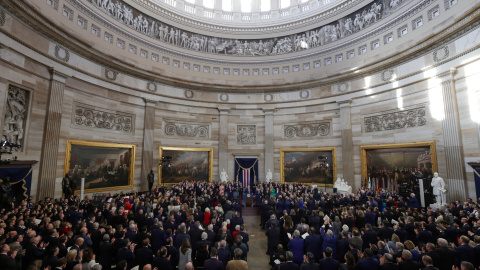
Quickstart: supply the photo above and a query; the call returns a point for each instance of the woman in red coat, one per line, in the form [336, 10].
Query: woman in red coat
[207, 216]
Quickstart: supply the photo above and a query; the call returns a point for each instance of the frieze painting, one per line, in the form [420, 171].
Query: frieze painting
[339, 29]
[395, 165]
[180, 164]
[308, 165]
[105, 166]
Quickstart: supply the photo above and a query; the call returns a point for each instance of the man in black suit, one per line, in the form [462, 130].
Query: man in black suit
[35, 251]
[244, 234]
[144, 255]
[477, 251]
[387, 262]
[289, 264]
[195, 234]
[106, 253]
[385, 232]
[223, 253]
[7, 262]
[237, 220]
[342, 246]
[464, 252]
[428, 262]
[328, 263]
[433, 254]
[447, 254]
[181, 235]
[213, 263]
[309, 264]
[162, 261]
[369, 237]
[406, 262]
[126, 253]
[273, 235]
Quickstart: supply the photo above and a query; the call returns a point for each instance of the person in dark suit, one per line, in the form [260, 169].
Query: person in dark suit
[106, 253]
[289, 264]
[369, 237]
[244, 234]
[433, 254]
[273, 235]
[7, 262]
[447, 254]
[144, 255]
[329, 263]
[223, 253]
[237, 220]
[296, 246]
[213, 263]
[406, 262]
[477, 251]
[51, 259]
[428, 262]
[313, 244]
[162, 261]
[35, 251]
[195, 234]
[126, 253]
[387, 262]
[369, 263]
[385, 232]
[343, 246]
[158, 236]
[464, 252]
[309, 264]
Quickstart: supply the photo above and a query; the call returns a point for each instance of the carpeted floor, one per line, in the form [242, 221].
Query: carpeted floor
[257, 259]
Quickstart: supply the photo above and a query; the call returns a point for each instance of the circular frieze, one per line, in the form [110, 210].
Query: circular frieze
[342, 87]
[224, 97]
[188, 93]
[268, 97]
[202, 132]
[304, 94]
[441, 54]
[170, 129]
[110, 74]
[152, 87]
[387, 75]
[62, 53]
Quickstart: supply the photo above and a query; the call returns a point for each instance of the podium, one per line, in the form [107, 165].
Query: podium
[248, 200]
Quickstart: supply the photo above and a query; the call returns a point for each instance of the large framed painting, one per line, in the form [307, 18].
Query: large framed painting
[308, 165]
[399, 161]
[179, 164]
[105, 166]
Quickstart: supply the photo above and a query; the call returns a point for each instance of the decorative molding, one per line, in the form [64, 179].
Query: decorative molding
[189, 93]
[2, 17]
[268, 97]
[246, 134]
[342, 87]
[224, 97]
[152, 87]
[388, 75]
[187, 129]
[396, 120]
[440, 55]
[450, 3]
[433, 12]
[304, 94]
[62, 53]
[110, 74]
[307, 130]
[95, 118]
[53, 4]
[67, 12]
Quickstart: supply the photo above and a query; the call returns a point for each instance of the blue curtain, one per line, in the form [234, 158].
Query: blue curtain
[18, 175]
[476, 174]
[246, 163]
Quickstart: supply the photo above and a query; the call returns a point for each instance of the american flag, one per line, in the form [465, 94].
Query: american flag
[246, 178]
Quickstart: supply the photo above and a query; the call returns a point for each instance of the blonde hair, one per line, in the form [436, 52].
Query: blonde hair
[71, 255]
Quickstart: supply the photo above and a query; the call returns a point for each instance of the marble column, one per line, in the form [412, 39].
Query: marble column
[147, 149]
[53, 120]
[269, 162]
[347, 143]
[223, 142]
[456, 183]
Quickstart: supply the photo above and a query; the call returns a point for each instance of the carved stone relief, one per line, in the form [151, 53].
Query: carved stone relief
[187, 129]
[441, 54]
[246, 134]
[16, 112]
[53, 4]
[87, 116]
[387, 74]
[188, 93]
[110, 74]
[320, 36]
[62, 53]
[152, 87]
[396, 120]
[304, 94]
[224, 97]
[307, 130]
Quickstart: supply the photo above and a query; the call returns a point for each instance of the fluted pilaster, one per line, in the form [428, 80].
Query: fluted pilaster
[456, 179]
[53, 117]
[347, 142]
[269, 162]
[147, 150]
[223, 140]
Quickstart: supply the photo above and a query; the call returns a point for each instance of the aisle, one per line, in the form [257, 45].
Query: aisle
[257, 259]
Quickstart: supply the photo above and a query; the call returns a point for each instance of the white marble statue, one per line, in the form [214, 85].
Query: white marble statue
[439, 189]
[269, 176]
[223, 176]
[342, 186]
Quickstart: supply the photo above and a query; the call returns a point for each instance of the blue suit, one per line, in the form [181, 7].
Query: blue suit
[126, 254]
[465, 253]
[213, 264]
[413, 203]
[296, 247]
[329, 242]
[329, 264]
[368, 264]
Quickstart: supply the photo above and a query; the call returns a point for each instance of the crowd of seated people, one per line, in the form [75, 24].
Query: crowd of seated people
[199, 225]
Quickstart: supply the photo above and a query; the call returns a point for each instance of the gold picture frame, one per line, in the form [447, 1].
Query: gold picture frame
[430, 145]
[101, 175]
[178, 163]
[310, 156]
